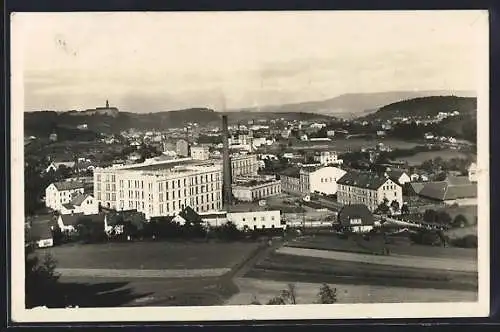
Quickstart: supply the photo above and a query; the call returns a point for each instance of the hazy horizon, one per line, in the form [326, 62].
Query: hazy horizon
[151, 62]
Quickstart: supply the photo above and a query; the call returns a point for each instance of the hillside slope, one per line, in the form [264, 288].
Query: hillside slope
[425, 106]
[45, 122]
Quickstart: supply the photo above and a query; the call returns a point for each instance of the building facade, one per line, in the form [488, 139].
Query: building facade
[160, 189]
[200, 152]
[59, 193]
[265, 219]
[368, 189]
[290, 181]
[320, 179]
[252, 190]
[244, 165]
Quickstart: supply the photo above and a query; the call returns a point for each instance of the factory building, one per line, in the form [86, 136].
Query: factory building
[160, 189]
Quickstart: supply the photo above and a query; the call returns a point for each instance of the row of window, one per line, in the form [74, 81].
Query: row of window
[262, 218]
[325, 180]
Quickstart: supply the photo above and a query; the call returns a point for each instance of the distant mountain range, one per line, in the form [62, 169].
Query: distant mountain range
[366, 106]
[354, 105]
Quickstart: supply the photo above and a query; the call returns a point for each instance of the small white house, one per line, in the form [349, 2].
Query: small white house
[398, 176]
[59, 193]
[84, 203]
[69, 223]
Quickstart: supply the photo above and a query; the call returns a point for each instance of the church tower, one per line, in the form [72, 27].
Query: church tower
[107, 103]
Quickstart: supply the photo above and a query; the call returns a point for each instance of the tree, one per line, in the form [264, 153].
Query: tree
[460, 221]
[430, 216]
[287, 296]
[395, 206]
[405, 209]
[327, 295]
[40, 279]
[383, 207]
[443, 217]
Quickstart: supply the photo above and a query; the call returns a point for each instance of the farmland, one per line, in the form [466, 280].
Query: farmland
[400, 246]
[315, 269]
[420, 157]
[151, 255]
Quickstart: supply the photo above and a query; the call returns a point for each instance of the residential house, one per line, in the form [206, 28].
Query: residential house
[59, 193]
[327, 158]
[320, 179]
[70, 222]
[115, 221]
[398, 175]
[54, 166]
[368, 189]
[356, 218]
[81, 204]
[39, 231]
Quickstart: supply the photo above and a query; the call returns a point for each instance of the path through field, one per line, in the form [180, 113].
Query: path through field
[396, 260]
[134, 273]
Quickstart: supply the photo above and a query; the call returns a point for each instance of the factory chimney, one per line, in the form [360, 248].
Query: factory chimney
[227, 194]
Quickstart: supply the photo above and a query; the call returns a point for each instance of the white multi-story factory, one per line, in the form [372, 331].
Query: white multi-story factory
[161, 189]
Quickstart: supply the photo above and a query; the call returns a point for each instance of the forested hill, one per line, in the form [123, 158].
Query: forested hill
[425, 106]
[43, 123]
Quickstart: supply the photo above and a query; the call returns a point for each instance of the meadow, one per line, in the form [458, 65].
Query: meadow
[151, 255]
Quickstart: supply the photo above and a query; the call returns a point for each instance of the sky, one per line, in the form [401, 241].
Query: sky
[150, 62]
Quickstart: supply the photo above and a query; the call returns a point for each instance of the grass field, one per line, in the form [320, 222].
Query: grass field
[375, 246]
[420, 157]
[151, 255]
[307, 293]
[314, 269]
[115, 292]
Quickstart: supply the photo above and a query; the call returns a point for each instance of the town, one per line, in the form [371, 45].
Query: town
[235, 200]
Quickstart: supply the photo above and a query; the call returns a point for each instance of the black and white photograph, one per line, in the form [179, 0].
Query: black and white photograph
[197, 166]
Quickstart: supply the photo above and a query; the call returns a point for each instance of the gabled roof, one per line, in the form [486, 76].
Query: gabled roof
[292, 172]
[161, 219]
[190, 215]
[75, 219]
[458, 180]
[362, 180]
[78, 200]
[395, 174]
[133, 216]
[67, 185]
[417, 186]
[446, 190]
[353, 211]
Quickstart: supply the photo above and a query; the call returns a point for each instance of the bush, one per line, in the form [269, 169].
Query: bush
[460, 221]
[468, 241]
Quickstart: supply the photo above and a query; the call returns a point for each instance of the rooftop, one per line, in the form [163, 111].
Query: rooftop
[362, 180]
[293, 172]
[68, 185]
